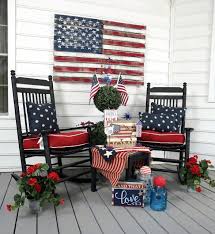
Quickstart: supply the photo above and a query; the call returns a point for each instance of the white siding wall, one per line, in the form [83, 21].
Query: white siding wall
[192, 25]
[34, 58]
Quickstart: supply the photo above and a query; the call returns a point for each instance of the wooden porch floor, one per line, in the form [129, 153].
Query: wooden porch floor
[87, 212]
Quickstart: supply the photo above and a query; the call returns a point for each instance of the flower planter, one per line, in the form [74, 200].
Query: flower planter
[194, 171]
[190, 189]
[34, 206]
[37, 186]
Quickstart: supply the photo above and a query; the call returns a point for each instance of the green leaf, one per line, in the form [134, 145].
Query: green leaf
[45, 167]
[22, 201]
[98, 135]
[17, 198]
[203, 164]
[212, 183]
[21, 189]
[183, 171]
[196, 182]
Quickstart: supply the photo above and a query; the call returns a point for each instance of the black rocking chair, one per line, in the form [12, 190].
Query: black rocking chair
[171, 97]
[40, 92]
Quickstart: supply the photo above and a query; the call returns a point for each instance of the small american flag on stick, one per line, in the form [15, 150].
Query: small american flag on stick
[95, 86]
[121, 88]
[83, 46]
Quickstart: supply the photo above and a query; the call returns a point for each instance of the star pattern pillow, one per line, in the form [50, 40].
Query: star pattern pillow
[158, 122]
[177, 112]
[41, 117]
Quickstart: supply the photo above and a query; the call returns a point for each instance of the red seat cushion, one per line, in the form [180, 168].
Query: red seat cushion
[59, 140]
[162, 137]
[68, 139]
[31, 143]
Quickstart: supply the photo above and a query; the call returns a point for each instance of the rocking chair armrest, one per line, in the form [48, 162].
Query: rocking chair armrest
[24, 134]
[188, 130]
[76, 128]
[46, 132]
[187, 135]
[27, 134]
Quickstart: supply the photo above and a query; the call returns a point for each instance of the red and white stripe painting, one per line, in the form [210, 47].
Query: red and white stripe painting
[123, 51]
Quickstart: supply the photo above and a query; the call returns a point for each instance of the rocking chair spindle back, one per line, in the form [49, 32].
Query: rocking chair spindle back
[170, 97]
[77, 139]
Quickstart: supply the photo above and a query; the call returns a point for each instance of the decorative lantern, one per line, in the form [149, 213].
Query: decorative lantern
[158, 199]
[144, 176]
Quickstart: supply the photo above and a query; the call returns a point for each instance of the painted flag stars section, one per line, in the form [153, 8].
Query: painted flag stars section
[95, 86]
[121, 88]
[83, 46]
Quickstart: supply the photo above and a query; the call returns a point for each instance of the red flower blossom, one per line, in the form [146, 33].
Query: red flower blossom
[193, 160]
[23, 174]
[198, 189]
[53, 176]
[31, 170]
[37, 187]
[61, 201]
[37, 166]
[32, 181]
[195, 170]
[36, 183]
[8, 207]
[188, 165]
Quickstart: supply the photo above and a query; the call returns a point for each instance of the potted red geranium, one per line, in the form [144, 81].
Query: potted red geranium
[38, 186]
[194, 171]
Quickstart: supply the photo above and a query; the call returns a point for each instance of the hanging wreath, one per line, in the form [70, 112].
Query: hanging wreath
[107, 97]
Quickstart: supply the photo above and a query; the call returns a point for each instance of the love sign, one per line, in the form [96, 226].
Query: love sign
[128, 194]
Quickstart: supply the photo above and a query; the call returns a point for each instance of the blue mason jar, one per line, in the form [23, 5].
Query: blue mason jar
[158, 199]
[147, 180]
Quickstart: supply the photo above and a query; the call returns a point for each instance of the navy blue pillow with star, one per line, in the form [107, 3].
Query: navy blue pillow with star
[177, 112]
[158, 122]
[41, 117]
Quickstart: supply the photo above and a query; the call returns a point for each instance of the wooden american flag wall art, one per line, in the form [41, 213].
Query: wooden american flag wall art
[84, 46]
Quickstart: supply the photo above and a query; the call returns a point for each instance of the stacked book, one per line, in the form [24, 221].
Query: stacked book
[123, 135]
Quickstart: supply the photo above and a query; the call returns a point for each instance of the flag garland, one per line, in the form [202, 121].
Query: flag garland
[83, 46]
[123, 92]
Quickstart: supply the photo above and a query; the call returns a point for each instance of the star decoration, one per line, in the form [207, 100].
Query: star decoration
[141, 193]
[86, 33]
[108, 154]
